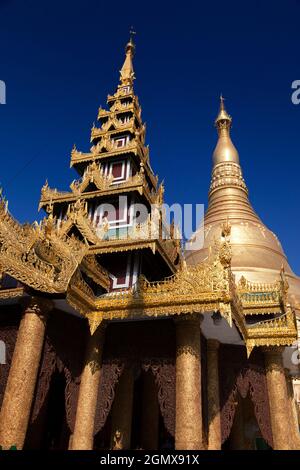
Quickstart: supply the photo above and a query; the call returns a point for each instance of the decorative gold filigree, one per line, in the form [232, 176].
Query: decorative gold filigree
[95, 271]
[262, 298]
[93, 174]
[49, 258]
[35, 256]
[77, 216]
[199, 288]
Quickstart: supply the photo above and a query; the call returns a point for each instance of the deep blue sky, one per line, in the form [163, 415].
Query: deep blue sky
[60, 59]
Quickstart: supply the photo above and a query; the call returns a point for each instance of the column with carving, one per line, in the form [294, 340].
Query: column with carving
[188, 434]
[83, 436]
[122, 412]
[213, 395]
[19, 392]
[278, 399]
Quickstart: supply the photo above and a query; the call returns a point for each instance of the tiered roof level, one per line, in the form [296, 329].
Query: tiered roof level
[117, 165]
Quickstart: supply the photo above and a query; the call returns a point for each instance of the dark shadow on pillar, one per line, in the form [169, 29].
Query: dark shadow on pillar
[50, 430]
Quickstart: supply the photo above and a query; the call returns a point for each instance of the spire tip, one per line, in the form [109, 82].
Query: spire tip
[127, 72]
[222, 100]
[223, 115]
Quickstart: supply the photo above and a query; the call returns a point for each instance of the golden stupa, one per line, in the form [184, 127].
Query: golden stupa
[257, 253]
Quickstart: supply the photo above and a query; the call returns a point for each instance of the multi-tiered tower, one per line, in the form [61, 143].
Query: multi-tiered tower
[189, 361]
[119, 193]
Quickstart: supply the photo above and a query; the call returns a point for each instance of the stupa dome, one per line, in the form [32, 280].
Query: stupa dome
[257, 253]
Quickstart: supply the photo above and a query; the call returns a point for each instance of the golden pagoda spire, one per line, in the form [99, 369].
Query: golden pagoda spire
[225, 151]
[228, 194]
[257, 253]
[127, 72]
[223, 116]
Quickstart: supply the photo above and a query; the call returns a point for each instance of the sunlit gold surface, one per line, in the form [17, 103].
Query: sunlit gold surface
[19, 392]
[188, 433]
[63, 258]
[278, 400]
[83, 435]
[256, 251]
[225, 151]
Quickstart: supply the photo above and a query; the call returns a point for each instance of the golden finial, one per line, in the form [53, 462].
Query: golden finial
[225, 150]
[223, 119]
[222, 99]
[127, 72]
[132, 33]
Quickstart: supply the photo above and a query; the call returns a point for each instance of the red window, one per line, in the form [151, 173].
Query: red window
[117, 169]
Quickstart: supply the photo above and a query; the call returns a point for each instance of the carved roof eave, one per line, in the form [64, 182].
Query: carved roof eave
[119, 95]
[281, 331]
[26, 251]
[266, 299]
[199, 289]
[12, 293]
[50, 282]
[82, 293]
[96, 272]
[97, 132]
[84, 226]
[36, 278]
[78, 157]
[97, 311]
[57, 197]
[181, 294]
[132, 107]
[123, 245]
[160, 245]
[128, 304]
[254, 309]
[81, 157]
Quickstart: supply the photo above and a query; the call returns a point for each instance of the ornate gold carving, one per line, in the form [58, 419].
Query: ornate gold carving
[103, 186]
[77, 215]
[35, 256]
[205, 287]
[134, 146]
[227, 174]
[93, 174]
[260, 297]
[118, 441]
[198, 289]
[11, 293]
[46, 258]
[95, 271]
